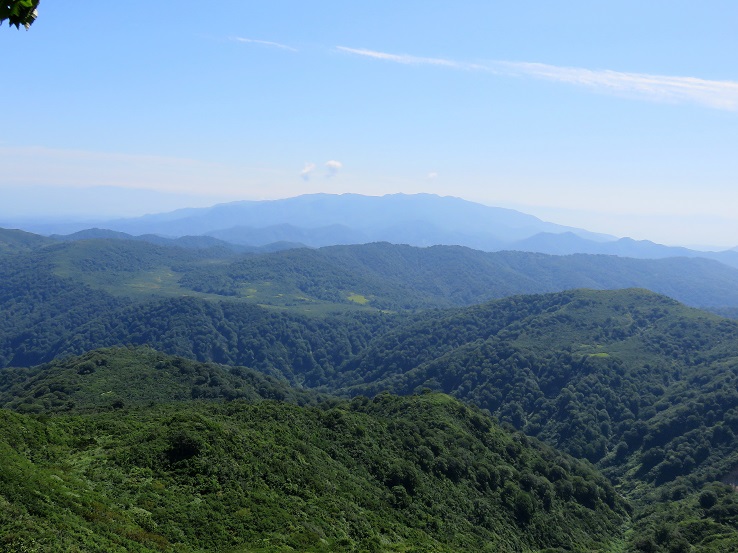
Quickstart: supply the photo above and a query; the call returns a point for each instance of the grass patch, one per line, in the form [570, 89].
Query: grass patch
[358, 298]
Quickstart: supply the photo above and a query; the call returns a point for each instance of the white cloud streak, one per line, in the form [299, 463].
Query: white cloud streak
[410, 60]
[265, 43]
[715, 94]
[721, 95]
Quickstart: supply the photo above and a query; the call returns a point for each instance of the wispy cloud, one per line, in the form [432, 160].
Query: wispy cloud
[307, 170]
[714, 94]
[410, 60]
[662, 88]
[333, 167]
[264, 43]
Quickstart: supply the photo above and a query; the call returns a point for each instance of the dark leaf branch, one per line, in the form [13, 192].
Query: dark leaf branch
[19, 12]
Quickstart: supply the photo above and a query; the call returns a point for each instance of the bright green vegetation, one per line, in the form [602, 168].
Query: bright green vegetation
[633, 382]
[528, 358]
[642, 386]
[115, 378]
[423, 473]
[358, 298]
[67, 298]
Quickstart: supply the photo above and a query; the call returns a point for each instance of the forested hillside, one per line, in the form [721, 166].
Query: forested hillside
[465, 277]
[578, 369]
[69, 297]
[388, 276]
[637, 384]
[14, 240]
[371, 276]
[389, 474]
[642, 386]
[115, 378]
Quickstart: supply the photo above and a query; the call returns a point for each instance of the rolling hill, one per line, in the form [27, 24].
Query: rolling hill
[377, 275]
[391, 474]
[632, 381]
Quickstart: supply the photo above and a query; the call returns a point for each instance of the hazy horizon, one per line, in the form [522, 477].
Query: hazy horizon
[619, 119]
[127, 203]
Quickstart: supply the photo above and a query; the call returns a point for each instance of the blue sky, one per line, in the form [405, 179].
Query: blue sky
[619, 117]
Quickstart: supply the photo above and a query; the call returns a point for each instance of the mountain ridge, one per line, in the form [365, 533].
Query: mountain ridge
[318, 210]
[318, 220]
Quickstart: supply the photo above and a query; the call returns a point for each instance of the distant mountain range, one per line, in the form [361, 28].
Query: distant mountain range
[426, 217]
[318, 220]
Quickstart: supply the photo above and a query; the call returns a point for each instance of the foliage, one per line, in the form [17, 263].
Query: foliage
[404, 277]
[576, 368]
[19, 12]
[639, 385]
[13, 240]
[303, 350]
[114, 378]
[40, 309]
[389, 277]
[644, 387]
[391, 474]
[53, 305]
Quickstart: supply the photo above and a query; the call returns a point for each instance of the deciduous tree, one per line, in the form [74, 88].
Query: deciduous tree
[18, 12]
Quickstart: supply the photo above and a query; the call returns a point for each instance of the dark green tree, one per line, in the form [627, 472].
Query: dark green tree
[18, 12]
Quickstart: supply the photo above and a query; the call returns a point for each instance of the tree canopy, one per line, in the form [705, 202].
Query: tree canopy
[19, 12]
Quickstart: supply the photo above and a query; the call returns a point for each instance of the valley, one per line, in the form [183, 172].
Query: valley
[508, 393]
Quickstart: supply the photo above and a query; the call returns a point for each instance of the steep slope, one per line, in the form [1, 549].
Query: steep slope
[304, 350]
[525, 358]
[41, 308]
[642, 386]
[392, 474]
[633, 381]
